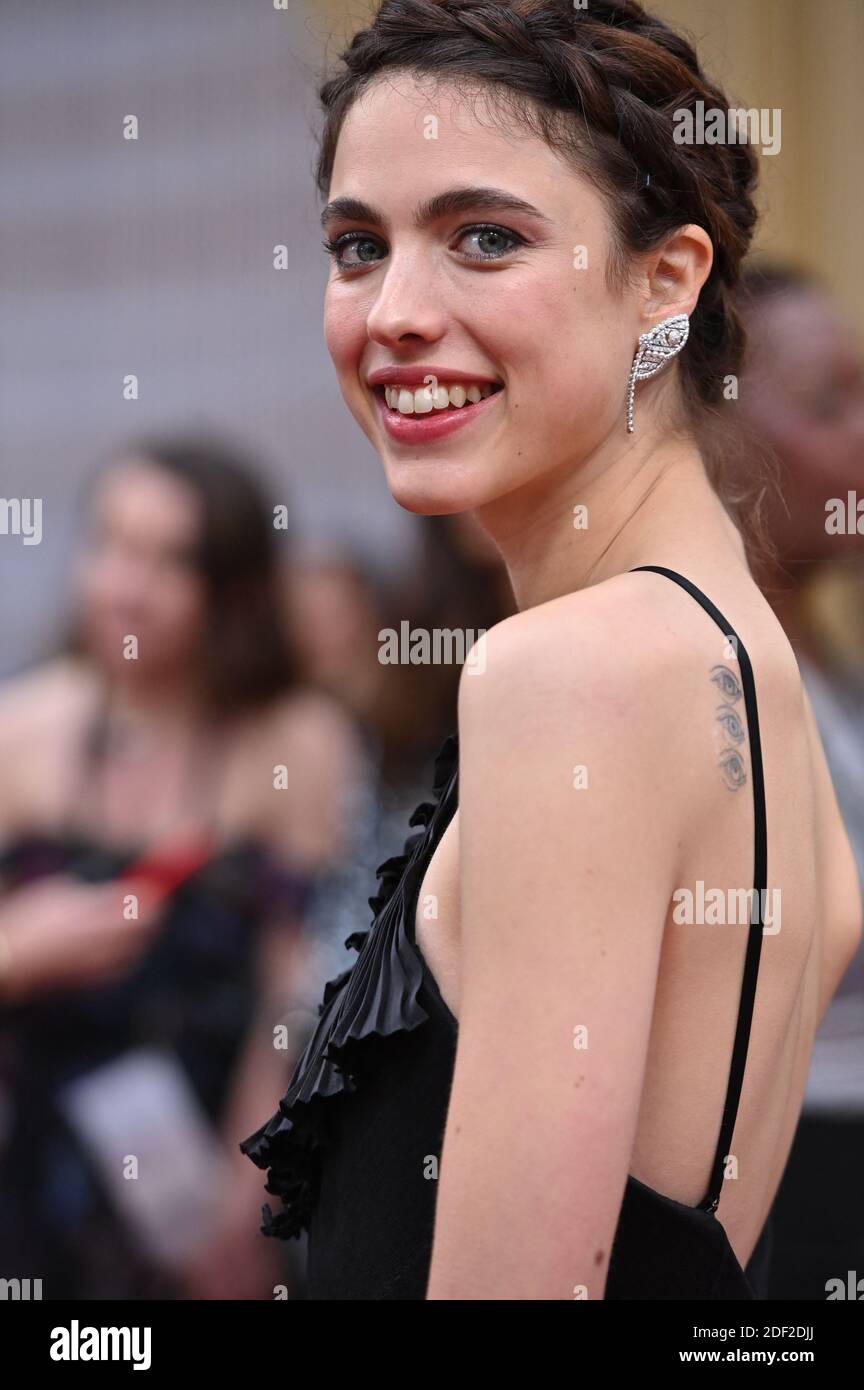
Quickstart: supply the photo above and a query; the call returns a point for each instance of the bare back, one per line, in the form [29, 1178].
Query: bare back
[814, 920]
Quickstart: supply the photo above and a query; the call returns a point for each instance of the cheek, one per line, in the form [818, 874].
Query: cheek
[577, 387]
[560, 339]
[177, 609]
[344, 329]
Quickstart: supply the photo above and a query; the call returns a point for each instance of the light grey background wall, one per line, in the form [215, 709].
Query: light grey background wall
[155, 257]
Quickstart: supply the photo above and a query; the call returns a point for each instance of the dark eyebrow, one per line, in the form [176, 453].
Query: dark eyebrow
[441, 205]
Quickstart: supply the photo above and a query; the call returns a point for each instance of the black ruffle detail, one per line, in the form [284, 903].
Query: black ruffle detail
[377, 996]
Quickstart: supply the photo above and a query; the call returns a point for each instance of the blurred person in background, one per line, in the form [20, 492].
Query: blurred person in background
[460, 584]
[802, 393]
[171, 750]
[334, 607]
[337, 607]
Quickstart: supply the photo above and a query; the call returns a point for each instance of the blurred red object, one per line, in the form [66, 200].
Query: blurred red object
[166, 865]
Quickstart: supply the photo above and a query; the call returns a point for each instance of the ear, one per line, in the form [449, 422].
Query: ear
[675, 273]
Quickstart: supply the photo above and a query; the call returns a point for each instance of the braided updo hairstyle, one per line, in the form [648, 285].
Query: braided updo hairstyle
[601, 85]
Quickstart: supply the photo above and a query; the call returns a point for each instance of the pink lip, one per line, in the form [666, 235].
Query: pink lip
[424, 429]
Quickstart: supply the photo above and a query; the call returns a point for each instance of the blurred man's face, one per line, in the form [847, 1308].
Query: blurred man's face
[803, 390]
[138, 574]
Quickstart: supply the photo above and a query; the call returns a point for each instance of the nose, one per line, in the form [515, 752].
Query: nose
[408, 307]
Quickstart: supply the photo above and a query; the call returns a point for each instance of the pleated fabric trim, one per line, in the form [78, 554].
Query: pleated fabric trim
[376, 997]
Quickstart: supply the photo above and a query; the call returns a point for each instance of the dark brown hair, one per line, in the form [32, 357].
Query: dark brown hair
[602, 86]
[248, 659]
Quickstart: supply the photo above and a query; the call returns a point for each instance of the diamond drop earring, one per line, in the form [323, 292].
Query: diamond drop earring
[656, 347]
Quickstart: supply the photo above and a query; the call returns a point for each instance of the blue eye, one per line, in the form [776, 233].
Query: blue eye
[487, 230]
[365, 247]
[337, 248]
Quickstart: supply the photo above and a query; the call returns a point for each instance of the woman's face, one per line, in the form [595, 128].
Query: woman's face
[138, 575]
[524, 303]
[803, 391]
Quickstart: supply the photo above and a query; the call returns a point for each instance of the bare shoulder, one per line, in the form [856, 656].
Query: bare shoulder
[610, 650]
[41, 713]
[51, 695]
[307, 815]
[630, 623]
[626, 677]
[587, 690]
[309, 725]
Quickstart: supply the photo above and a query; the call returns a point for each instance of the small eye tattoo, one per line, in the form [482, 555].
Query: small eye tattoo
[732, 730]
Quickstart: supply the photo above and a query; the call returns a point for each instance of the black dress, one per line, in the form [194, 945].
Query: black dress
[349, 1151]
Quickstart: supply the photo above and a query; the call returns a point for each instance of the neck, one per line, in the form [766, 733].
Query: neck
[648, 502]
[166, 702]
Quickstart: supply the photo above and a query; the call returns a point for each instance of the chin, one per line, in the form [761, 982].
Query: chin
[428, 492]
[429, 502]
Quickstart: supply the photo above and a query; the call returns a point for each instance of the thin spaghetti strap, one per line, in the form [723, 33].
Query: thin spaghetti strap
[760, 864]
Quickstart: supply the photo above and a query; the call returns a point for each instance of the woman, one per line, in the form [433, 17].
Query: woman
[514, 224]
[145, 760]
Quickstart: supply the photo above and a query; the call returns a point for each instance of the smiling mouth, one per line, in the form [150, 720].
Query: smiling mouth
[441, 400]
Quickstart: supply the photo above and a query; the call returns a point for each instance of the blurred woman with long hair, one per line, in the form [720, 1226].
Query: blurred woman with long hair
[169, 752]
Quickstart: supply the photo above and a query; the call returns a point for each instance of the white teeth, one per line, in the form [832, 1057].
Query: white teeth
[426, 399]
